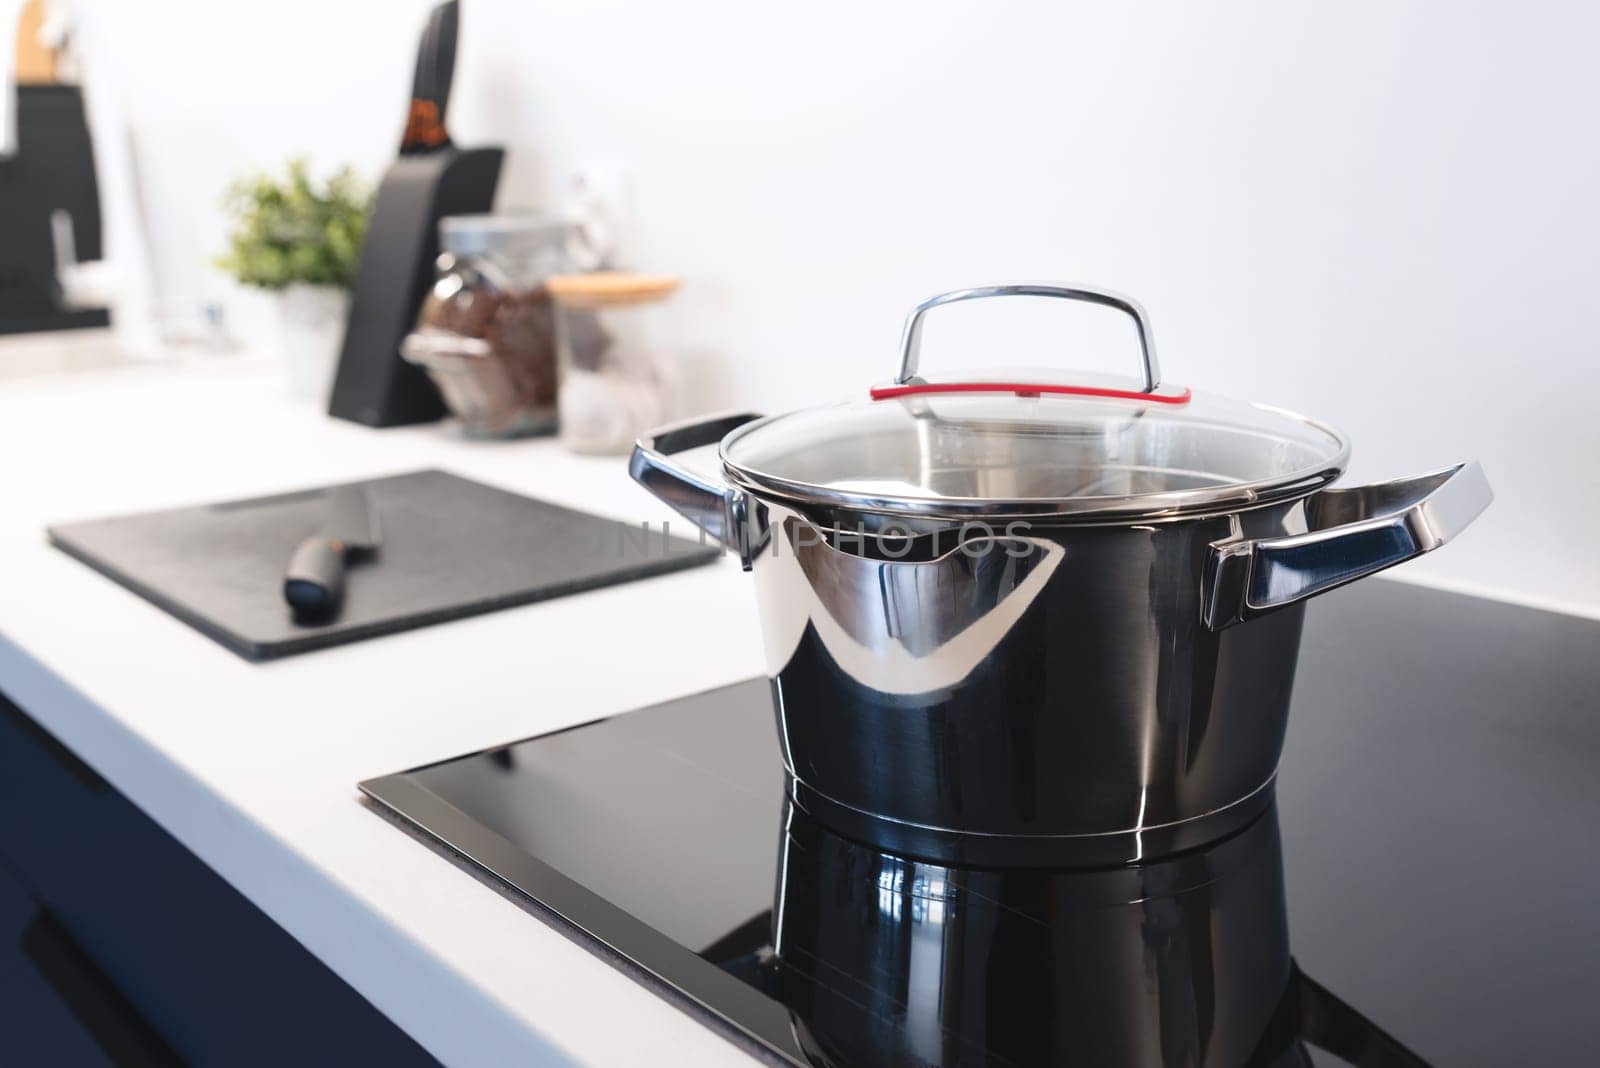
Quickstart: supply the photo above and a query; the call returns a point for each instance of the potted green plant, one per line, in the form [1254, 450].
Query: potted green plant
[299, 239]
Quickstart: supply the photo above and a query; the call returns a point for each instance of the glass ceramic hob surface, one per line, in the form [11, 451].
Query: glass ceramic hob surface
[1421, 892]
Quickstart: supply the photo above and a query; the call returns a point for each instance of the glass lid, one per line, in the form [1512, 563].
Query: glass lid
[1034, 443]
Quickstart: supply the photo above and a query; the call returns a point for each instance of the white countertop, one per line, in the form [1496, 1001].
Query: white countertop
[253, 766]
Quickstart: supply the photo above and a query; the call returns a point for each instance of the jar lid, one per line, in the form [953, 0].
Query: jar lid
[602, 288]
[1034, 443]
[502, 234]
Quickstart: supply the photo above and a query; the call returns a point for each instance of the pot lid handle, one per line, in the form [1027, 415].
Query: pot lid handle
[911, 339]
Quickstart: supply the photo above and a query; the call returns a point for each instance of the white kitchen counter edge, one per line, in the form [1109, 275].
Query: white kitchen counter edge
[302, 899]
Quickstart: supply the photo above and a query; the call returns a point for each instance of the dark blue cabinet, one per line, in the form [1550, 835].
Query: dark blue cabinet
[122, 947]
[49, 1014]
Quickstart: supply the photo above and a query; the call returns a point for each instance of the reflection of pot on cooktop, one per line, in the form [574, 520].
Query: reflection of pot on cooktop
[889, 960]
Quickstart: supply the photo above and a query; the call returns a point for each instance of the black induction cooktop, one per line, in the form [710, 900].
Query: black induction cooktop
[1423, 890]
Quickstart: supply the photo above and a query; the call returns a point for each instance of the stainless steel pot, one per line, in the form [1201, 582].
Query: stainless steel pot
[1008, 618]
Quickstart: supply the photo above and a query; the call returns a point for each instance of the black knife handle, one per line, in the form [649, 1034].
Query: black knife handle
[314, 583]
[430, 87]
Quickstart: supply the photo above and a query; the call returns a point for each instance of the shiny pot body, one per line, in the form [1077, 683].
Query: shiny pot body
[1034, 690]
[1053, 687]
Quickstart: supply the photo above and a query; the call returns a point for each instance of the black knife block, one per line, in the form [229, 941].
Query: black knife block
[52, 171]
[374, 385]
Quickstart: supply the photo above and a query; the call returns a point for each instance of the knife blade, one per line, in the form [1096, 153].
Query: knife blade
[313, 583]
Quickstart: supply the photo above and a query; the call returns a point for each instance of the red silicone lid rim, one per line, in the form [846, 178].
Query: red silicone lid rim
[1027, 389]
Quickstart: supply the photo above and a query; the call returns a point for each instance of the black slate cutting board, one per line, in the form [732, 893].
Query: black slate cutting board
[451, 548]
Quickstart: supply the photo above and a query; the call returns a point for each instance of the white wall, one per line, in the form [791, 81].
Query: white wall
[1381, 214]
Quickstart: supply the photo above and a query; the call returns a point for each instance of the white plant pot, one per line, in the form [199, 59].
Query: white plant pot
[310, 329]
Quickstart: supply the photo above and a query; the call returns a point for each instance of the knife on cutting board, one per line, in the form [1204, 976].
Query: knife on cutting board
[313, 583]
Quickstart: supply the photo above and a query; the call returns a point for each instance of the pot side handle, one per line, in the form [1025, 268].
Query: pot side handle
[1353, 533]
[708, 503]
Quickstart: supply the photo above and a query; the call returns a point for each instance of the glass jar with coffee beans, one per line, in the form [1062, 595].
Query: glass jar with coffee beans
[486, 333]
